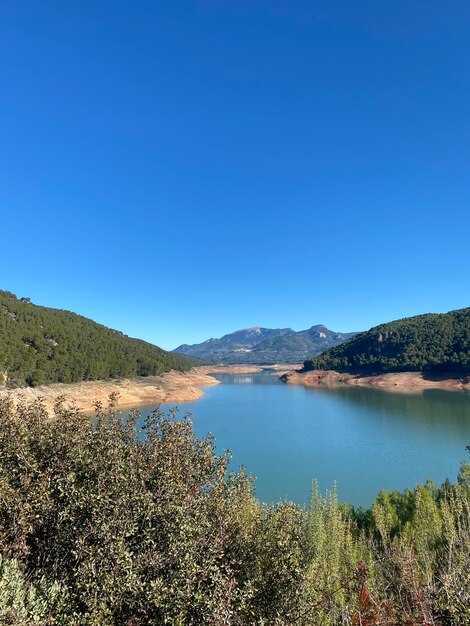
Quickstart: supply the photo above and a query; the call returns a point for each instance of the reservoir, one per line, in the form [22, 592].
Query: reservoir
[364, 439]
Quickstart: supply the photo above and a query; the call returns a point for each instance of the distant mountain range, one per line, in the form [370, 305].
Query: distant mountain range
[265, 346]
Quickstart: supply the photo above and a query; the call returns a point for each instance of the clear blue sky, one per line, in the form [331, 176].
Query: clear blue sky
[179, 169]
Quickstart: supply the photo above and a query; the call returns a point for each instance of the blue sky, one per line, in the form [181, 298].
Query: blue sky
[178, 170]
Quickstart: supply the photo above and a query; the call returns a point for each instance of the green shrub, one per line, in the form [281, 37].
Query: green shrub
[26, 604]
[103, 522]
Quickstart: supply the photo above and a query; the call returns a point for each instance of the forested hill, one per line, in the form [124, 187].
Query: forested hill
[43, 345]
[432, 342]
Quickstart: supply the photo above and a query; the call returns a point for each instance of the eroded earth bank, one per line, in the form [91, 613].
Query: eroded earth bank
[397, 381]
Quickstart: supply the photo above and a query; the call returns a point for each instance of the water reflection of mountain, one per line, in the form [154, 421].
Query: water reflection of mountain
[249, 379]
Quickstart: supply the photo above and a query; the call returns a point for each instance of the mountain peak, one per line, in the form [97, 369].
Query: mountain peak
[259, 345]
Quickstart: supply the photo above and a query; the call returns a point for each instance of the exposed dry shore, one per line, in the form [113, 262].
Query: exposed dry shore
[398, 381]
[171, 387]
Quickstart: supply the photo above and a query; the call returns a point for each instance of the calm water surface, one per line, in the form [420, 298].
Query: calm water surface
[364, 439]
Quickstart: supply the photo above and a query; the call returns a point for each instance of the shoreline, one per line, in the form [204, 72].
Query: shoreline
[391, 381]
[176, 387]
[173, 386]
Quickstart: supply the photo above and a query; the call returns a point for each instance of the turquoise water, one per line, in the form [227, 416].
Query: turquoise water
[364, 439]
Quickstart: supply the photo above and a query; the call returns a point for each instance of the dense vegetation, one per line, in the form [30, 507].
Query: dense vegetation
[106, 524]
[43, 345]
[433, 342]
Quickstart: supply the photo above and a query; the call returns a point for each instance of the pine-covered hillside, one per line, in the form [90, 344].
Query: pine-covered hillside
[43, 345]
[431, 342]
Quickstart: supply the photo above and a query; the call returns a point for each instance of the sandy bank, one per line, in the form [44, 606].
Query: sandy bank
[397, 381]
[171, 387]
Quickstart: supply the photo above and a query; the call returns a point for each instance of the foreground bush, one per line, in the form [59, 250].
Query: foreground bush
[105, 523]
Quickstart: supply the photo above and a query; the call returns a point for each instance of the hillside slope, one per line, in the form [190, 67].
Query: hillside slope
[265, 345]
[43, 345]
[431, 342]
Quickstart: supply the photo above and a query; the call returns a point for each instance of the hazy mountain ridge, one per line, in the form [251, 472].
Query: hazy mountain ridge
[260, 345]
